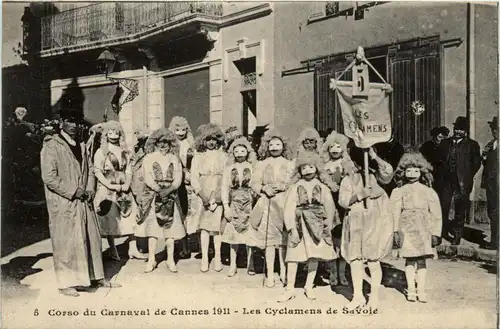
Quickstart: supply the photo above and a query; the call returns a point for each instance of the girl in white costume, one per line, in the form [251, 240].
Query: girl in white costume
[113, 201]
[337, 164]
[310, 215]
[271, 179]
[417, 219]
[367, 230]
[206, 178]
[163, 176]
[190, 203]
[237, 197]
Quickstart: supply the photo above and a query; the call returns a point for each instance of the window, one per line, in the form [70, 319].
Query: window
[247, 68]
[412, 68]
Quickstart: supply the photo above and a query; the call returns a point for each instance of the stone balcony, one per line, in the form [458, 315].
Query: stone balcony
[105, 24]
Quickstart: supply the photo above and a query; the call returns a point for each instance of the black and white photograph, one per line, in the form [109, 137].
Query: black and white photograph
[244, 164]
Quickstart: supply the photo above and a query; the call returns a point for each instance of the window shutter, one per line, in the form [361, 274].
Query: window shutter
[415, 76]
[327, 112]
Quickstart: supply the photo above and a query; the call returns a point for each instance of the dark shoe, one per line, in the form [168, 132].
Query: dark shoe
[70, 292]
[107, 284]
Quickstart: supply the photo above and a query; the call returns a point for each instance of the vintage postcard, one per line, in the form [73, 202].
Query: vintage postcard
[243, 164]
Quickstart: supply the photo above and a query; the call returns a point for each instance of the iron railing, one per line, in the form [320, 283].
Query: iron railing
[104, 21]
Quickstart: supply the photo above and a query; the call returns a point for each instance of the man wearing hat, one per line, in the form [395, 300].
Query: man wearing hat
[490, 181]
[69, 189]
[462, 157]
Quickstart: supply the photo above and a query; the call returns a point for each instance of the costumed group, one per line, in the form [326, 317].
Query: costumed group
[310, 206]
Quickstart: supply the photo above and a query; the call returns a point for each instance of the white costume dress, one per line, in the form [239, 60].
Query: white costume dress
[115, 211]
[171, 170]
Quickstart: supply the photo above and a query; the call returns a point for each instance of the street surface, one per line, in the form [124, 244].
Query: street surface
[461, 295]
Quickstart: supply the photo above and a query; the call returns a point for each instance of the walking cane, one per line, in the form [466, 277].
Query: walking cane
[265, 241]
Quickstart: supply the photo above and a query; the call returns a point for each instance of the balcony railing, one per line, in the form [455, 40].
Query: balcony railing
[106, 21]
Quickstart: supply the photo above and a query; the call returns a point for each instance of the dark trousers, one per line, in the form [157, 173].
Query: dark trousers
[452, 196]
[492, 208]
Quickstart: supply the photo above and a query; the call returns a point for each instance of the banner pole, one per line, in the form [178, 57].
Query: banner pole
[366, 173]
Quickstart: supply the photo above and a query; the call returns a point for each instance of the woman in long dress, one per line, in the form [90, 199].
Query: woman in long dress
[416, 212]
[310, 215]
[189, 202]
[206, 178]
[237, 198]
[337, 164]
[367, 231]
[163, 176]
[113, 201]
[272, 177]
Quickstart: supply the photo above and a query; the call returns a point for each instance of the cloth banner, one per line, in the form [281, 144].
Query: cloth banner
[129, 91]
[367, 120]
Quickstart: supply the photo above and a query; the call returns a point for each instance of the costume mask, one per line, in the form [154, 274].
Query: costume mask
[309, 144]
[164, 145]
[180, 132]
[240, 153]
[276, 147]
[211, 143]
[308, 172]
[413, 174]
[335, 151]
[113, 136]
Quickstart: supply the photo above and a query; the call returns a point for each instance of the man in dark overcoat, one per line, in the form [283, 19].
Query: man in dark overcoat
[462, 157]
[490, 181]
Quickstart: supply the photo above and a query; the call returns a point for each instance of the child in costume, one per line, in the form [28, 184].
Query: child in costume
[271, 180]
[237, 197]
[309, 215]
[309, 140]
[337, 164]
[367, 228]
[163, 176]
[206, 178]
[113, 202]
[180, 127]
[138, 186]
[416, 212]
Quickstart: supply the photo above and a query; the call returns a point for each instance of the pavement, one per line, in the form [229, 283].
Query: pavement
[463, 294]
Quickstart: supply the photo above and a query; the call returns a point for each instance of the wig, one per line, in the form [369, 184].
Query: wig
[414, 160]
[205, 131]
[241, 141]
[141, 136]
[181, 122]
[263, 151]
[158, 134]
[342, 140]
[309, 133]
[232, 133]
[106, 127]
[309, 158]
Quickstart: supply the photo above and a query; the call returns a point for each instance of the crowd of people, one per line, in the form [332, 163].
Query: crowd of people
[309, 202]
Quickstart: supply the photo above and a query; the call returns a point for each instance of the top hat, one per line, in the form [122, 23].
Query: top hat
[461, 123]
[71, 114]
[493, 122]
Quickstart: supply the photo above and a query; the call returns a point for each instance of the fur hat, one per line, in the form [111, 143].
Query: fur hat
[309, 158]
[263, 151]
[231, 134]
[112, 125]
[414, 160]
[309, 133]
[205, 131]
[141, 134]
[242, 141]
[158, 134]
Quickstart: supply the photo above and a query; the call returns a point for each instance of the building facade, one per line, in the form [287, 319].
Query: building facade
[250, 64]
